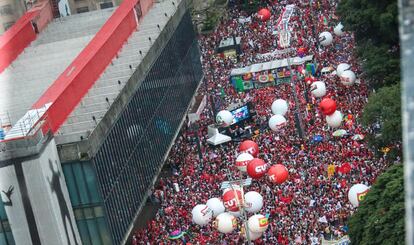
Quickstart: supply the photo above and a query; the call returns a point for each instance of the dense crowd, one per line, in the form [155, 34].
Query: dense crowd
[309, 206]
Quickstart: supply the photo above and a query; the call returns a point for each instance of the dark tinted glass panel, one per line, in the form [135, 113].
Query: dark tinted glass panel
[87, 203]
[134, 149]
[6, 237]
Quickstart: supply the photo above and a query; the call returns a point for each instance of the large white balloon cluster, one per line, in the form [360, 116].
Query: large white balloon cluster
[325, 38]
[276, 122]
[258, 223]
[341, 68]
[279, 107]
[225, 223]
[357, 193]
[318, 89]
[201, 214]
[216, 205]
[348, 78]
[334, 120]
[253, 201]
[224, 118]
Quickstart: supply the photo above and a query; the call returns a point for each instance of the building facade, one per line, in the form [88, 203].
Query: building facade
[50, 197]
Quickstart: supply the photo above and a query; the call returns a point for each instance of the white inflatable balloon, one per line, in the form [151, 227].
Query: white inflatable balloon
[225, 223]
[242, 160]
[276, 122]
[338, 30]
[235, 214]
[253, 201]
[258, 223]
[254, 235]
[201, 214]
[334, 120]
[318, 89]
[224, 118]
[325, 38]
[216, 205]
[357, 193]
[348, 78]
[341, 68]
[279, 107]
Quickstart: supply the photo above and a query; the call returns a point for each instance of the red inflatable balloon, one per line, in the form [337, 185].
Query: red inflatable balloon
[249, 146]
[256, 168]
[327, 106]
[230, 201]
[278, 173]
[264, 14]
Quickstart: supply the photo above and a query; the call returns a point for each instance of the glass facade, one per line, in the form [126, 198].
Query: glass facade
[87, 203]
[133, 150]
[6, 236]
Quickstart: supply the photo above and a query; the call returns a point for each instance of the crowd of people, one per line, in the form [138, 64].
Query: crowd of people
[312, 205]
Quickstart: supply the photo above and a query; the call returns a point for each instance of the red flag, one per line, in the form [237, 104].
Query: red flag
[345, 168]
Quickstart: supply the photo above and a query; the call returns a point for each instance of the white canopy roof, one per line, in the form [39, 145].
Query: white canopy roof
[270, 65]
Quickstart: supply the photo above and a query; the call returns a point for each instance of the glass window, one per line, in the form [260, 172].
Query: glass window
[6, 236]
[129, 165]
[82, 10]
[80, 183]
[87, 203]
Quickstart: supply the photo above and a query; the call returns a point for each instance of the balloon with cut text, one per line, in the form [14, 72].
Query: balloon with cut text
[216, 205]
[256, 168]
[225, 223]
[357, 193]
[201, 214]
[327, 106]
[318, 89]
[264, 14]
[334, 120]
[325, 38]
[224, 118]
[278, 173]
[232, 199]
[249, 146]
[253, 201]
[242, 160]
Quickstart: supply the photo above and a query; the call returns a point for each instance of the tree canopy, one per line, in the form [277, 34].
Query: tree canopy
[380, 217]
[375, 24]
[384, 107]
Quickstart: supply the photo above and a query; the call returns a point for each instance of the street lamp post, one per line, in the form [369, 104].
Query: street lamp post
[297, 112]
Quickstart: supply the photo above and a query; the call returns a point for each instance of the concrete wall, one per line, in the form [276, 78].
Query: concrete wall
[41, 212]
[14, 207]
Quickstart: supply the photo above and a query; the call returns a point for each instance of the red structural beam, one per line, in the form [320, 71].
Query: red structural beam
[72, 85]
[22, 33]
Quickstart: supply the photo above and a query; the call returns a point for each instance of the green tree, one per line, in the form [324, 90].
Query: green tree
[375, 24]
[380, 63]
[380, 217]
[384, 107]
[371, 19]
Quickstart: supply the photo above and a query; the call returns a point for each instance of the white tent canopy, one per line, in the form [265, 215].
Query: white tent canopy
[270, 65]
[215, 138]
